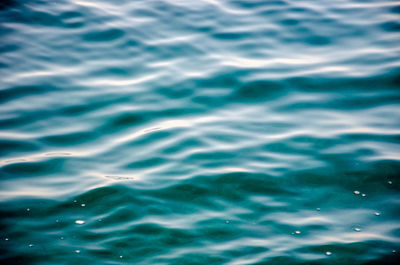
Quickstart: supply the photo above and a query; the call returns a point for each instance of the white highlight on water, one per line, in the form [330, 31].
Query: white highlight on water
[79, 222]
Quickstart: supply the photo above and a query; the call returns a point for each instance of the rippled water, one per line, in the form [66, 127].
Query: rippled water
[199, 132]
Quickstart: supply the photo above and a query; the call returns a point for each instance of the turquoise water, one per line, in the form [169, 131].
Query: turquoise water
[199, 132]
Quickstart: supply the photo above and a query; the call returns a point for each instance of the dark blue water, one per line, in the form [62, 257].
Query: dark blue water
[199, 132]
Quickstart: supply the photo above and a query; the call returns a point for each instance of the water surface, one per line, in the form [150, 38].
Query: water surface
[199, 132]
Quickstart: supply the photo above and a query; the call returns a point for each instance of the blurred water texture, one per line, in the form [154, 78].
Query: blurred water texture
[199, 132]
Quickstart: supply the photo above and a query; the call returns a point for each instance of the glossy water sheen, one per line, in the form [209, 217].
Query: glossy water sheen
[200, 132]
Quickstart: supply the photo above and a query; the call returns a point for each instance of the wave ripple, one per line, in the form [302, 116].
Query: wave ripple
[199, 132]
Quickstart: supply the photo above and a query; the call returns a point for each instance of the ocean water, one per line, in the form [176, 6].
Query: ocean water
[199, 132]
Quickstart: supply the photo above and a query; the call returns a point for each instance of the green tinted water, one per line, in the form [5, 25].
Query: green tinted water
[199, 132]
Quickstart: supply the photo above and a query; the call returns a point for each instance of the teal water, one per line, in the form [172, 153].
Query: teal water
[199, 132]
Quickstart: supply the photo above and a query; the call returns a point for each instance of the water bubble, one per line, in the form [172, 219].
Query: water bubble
[356, 192]
[6, 239]
[390, 182]
[31, 245]
[74, 200]
[393, 251]
[318, 209]
[62, 238]
[79, 222]
[328, 253]
[83, 205]
[77, 251]
[100, 220]
[357, 229]
[120, 257]
[28, 209]
[364, 195]
[297, 232]
[227, 221]
[377, 213]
